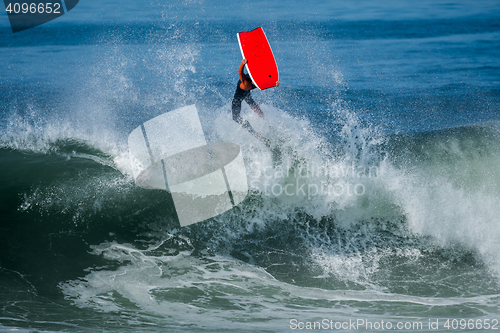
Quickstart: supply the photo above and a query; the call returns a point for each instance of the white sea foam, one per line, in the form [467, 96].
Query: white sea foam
[219, 291]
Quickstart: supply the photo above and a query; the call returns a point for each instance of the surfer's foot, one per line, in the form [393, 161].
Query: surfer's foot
[266, 141]
[263, 139]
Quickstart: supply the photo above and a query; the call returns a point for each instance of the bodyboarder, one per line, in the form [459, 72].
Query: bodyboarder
[243, 93]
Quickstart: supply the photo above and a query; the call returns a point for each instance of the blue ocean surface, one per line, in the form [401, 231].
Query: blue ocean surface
[378, 203]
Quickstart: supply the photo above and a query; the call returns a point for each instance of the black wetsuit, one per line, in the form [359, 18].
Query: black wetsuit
[239, 96]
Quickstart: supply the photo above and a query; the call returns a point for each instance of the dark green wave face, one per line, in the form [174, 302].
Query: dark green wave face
[378, 199]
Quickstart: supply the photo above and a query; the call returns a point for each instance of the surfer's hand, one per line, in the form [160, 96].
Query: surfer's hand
[277, 83]
[244, 61]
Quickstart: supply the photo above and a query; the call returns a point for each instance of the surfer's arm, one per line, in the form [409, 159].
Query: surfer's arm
[245, 83]
[240, 70]
[245, 124]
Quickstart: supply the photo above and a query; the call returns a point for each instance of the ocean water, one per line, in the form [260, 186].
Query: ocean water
[377, 208]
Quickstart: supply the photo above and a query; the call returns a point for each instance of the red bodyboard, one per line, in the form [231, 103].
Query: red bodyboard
[261, 64]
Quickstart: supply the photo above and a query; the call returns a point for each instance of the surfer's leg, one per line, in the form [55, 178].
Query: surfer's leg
[253, 105]
[245, 124]
[236, 111]
[239, 96]
[249, 100]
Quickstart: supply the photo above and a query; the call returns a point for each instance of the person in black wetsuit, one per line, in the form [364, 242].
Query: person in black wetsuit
[243, 93]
